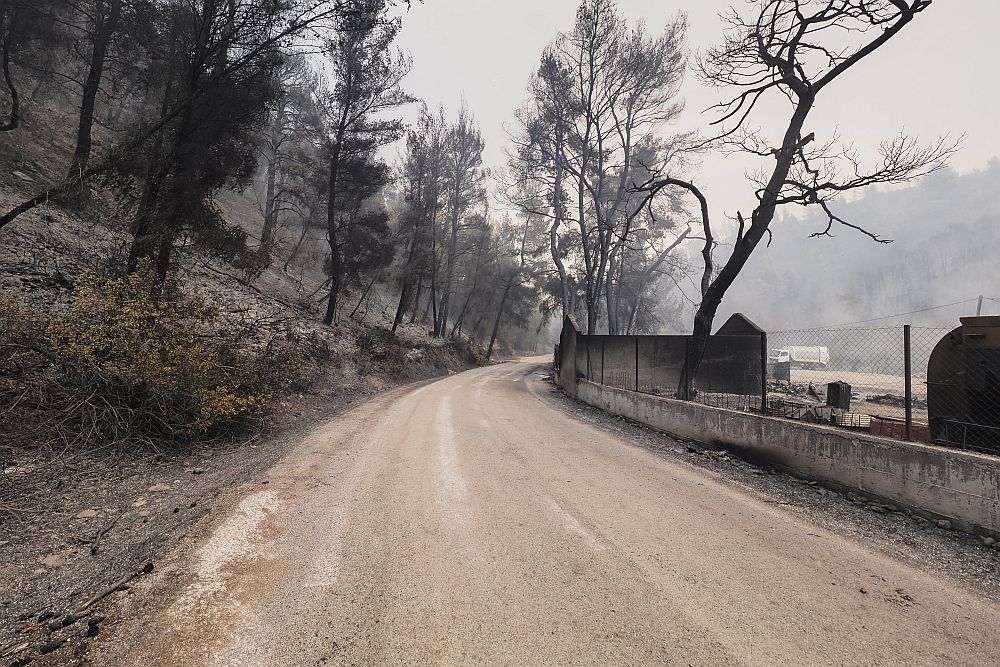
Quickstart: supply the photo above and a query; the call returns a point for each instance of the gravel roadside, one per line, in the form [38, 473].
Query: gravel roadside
[968, 560]
[111, 514]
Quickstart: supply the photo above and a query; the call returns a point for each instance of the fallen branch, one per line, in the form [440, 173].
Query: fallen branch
[14, 649]
[102, 532]
[145, 569]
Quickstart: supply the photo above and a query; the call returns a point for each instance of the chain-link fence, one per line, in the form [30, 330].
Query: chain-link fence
[910, 383]
[872, 379]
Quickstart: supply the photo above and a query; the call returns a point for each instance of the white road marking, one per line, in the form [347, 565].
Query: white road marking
[575, 527]
[479, 387]
[231, 541]
[453, 484]
[235, 539]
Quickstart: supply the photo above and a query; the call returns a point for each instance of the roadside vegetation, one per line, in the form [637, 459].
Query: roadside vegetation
[134, 361]
[204, 253]
[204, 243]
[198, 221]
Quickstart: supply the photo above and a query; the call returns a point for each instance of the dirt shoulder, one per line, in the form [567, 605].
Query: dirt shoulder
[108, 514]
[892, 531]
[74, 521]
[469, 521]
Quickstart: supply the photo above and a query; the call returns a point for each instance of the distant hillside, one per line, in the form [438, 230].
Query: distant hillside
[946, 238]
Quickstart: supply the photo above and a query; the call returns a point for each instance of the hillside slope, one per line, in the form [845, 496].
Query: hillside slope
[72, 521]
[944, 232]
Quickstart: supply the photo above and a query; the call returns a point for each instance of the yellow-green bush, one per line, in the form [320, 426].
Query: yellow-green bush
[134, 360]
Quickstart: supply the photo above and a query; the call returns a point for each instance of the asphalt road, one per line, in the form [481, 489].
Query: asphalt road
[470, 521]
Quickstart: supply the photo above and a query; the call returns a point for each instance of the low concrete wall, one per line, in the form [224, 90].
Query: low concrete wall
[961, 486]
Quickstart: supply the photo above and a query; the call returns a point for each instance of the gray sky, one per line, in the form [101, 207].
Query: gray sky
[936, 77]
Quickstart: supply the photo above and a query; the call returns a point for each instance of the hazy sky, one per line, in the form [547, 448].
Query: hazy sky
[937, 76]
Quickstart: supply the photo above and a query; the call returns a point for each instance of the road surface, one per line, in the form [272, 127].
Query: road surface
[469, 521]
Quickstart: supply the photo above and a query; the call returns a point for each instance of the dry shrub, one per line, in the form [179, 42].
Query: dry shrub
[471, 351]
[132, 361]
[379, 351]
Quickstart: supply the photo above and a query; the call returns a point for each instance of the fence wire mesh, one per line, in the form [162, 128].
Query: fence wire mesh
[911, 383]
[854, 378]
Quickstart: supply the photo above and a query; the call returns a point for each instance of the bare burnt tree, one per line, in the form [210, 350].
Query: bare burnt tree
[474, 272]
[645, 239]
[101, 23]
[602, 91]
[291, 134]
[421, 173]
[794, 50]
[518, 249]
[536, 176]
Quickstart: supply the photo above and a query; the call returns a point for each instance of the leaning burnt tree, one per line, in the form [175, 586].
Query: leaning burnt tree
[795, 49]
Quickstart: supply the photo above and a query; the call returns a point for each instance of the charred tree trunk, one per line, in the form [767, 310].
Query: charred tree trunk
[406, 289]
[163, 254]
[610, 298]
[143, 236]
[715, 289]
[416, 300]
[107, 26]
[331, 221]
[335, 269]
[496, 323]
[364, 296]
[7, 29]
[457, 326]
[273, 154]
[591, 302]
[563, 279]
[433, 303]
[298, 245]
[404, 297]
[449, 276]
[477, 325]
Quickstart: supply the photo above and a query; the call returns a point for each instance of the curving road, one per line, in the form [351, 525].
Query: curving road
[468, 521]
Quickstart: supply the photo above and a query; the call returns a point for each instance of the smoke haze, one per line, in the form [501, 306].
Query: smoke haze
[945, 232]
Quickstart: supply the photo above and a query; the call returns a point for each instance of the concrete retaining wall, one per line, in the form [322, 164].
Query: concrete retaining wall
[960, 486]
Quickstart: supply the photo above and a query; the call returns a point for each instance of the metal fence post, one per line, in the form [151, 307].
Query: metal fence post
[654, 349]
[763, 373]
[604, 342]
[907, 372]
[686, 393]
[637, 363]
